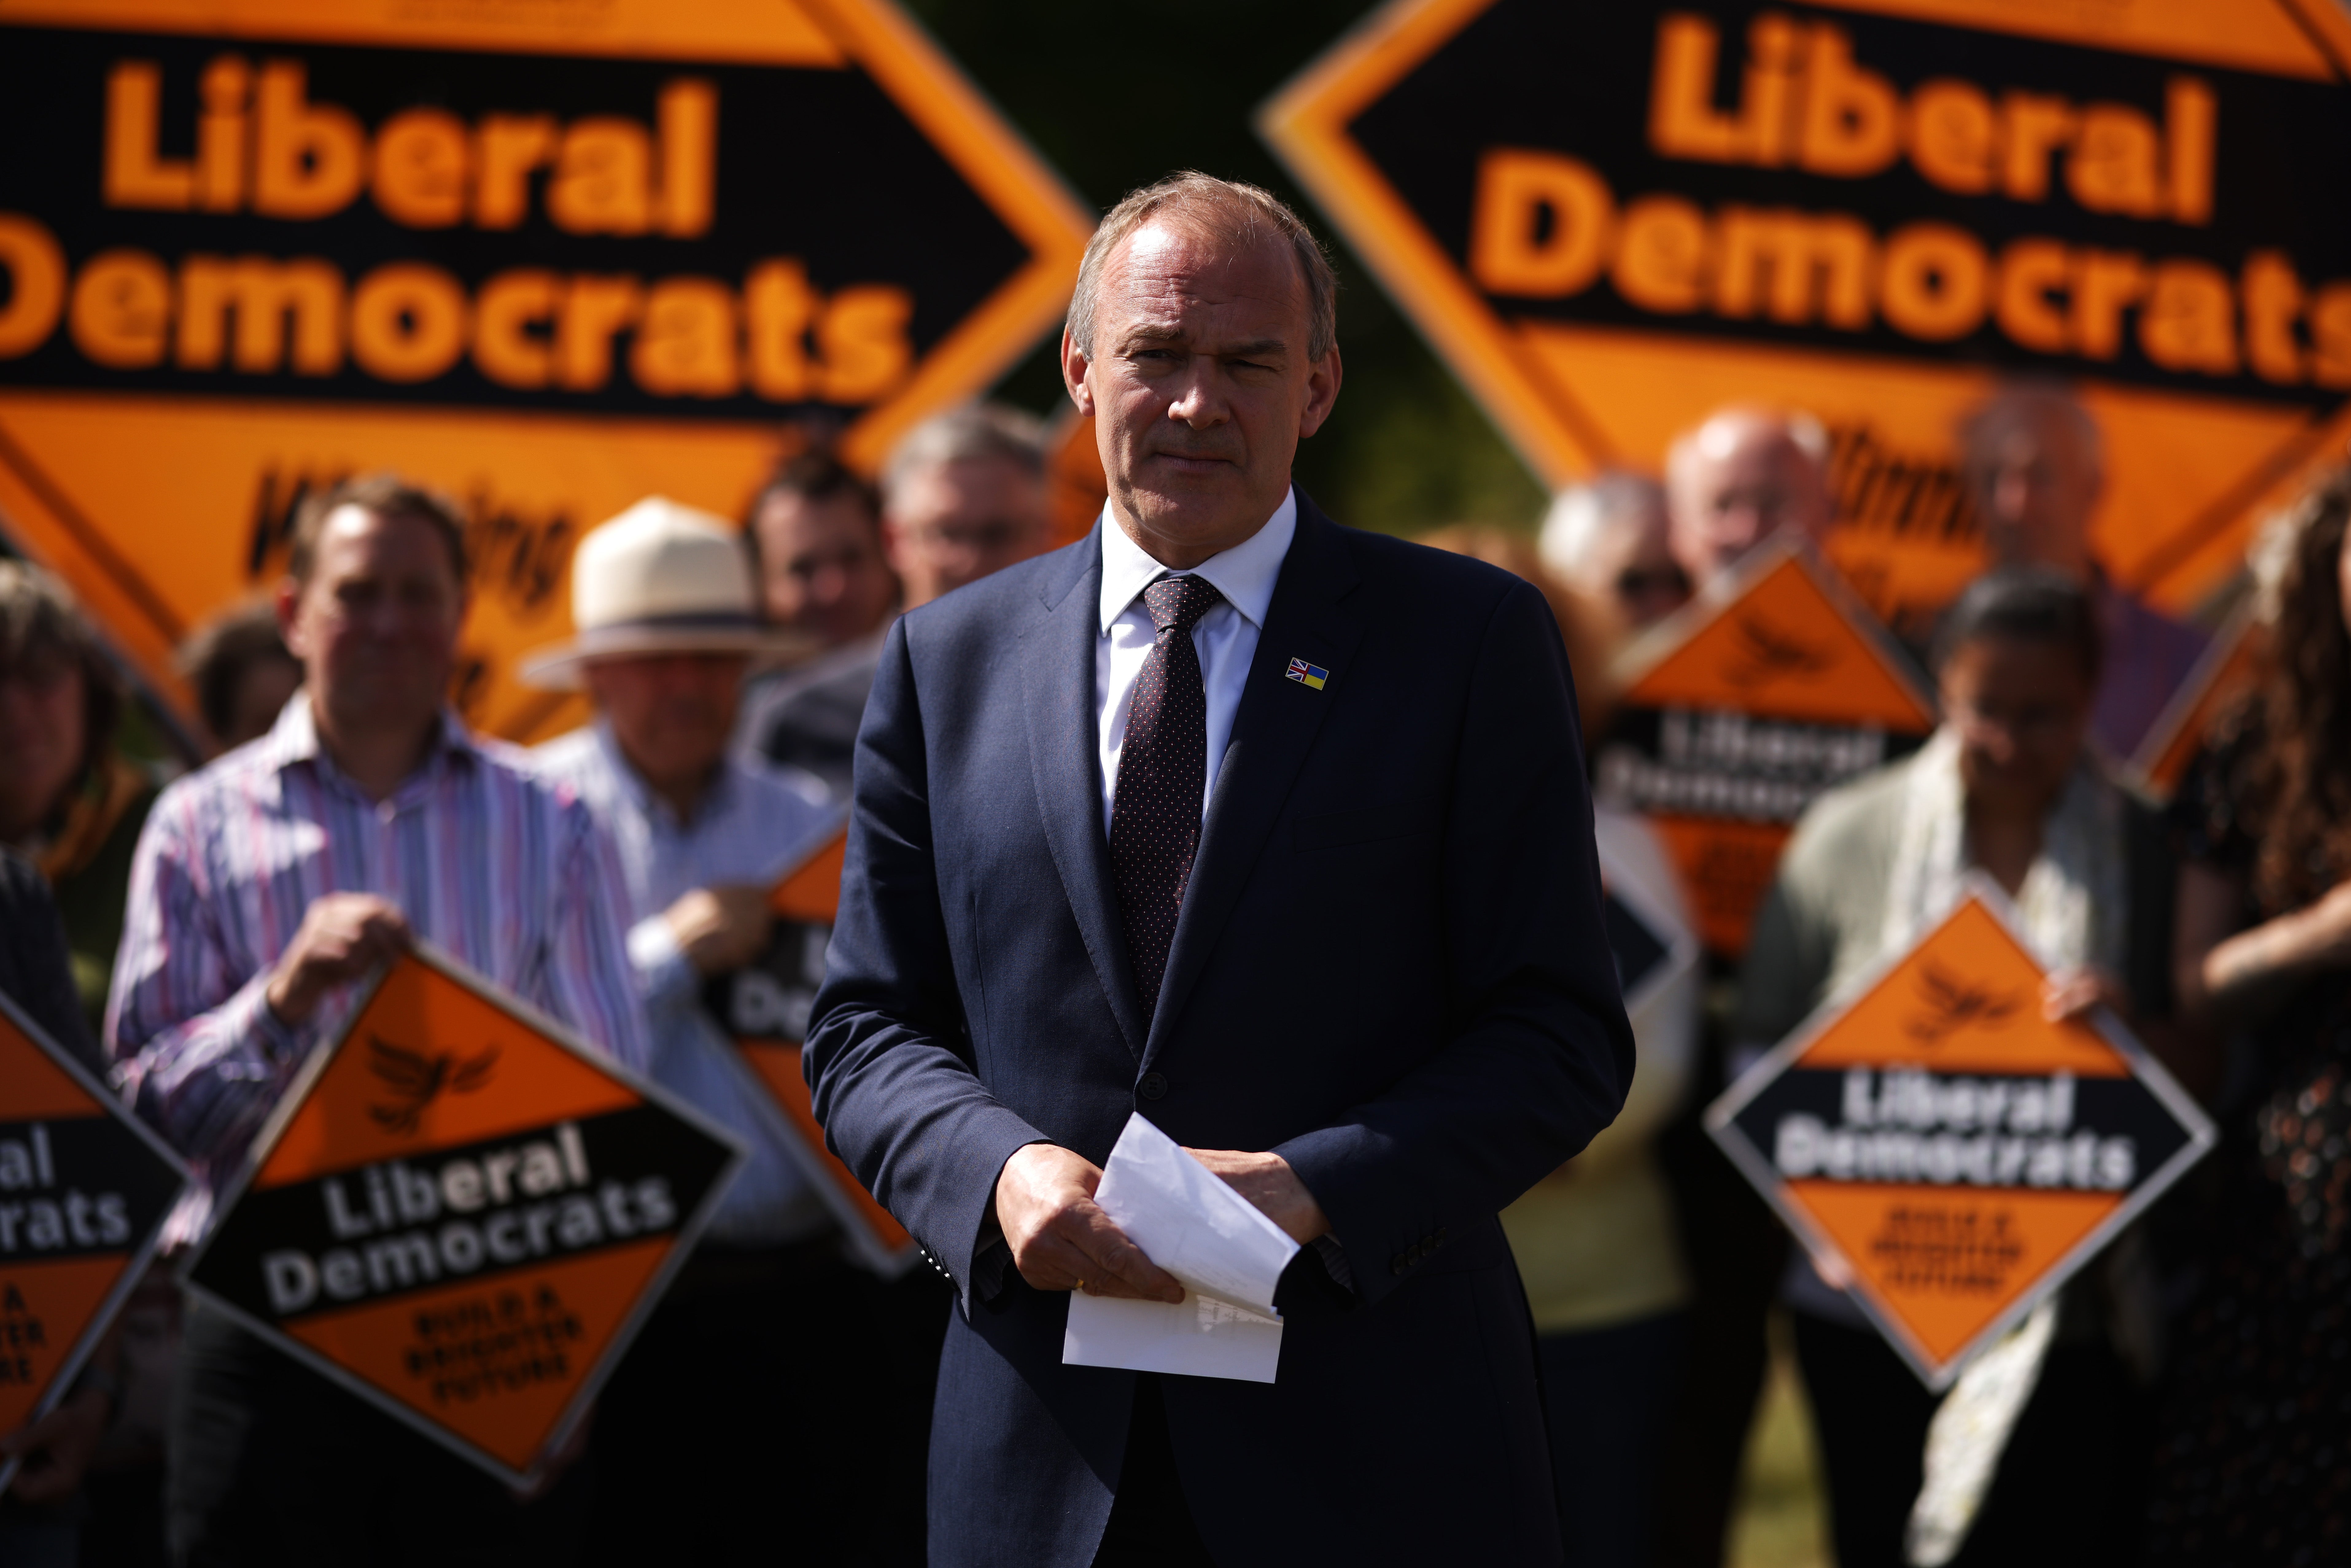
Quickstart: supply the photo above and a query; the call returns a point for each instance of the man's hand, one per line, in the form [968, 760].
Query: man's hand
[343, 935]
[1268, 1183]
[57, 1449]
[1060, 1239]
[721, 928]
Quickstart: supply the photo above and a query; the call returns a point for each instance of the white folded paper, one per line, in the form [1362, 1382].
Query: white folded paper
[1225, 1253]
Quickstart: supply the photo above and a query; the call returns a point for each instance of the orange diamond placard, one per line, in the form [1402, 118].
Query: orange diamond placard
[1960, 1154]
[1611, 218]
[764, 1006]
[1739, 711]
[85, 1189]
[462, 1214]
[2223, 675]
[548, 258]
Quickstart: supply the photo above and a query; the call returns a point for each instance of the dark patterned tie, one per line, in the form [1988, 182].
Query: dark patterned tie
[1162, 768]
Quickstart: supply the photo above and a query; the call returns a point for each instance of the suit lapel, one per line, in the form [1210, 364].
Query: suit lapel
[1273, 730]
[1057, 671]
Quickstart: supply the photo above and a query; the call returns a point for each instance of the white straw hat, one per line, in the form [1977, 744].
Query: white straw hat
[661, 577]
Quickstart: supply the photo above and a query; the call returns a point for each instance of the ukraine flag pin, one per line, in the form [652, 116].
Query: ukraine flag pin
[1311, 674]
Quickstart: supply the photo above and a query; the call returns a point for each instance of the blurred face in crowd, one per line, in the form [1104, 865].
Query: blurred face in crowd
[2022, 709]
[376, 625]
[1200, 386]
[44, 732]
[671, 713]
[2036, 481]
[953, 523]
[1629, 562]
[1735, 482]
[2342, 579]
[263, 690]
[821, 565]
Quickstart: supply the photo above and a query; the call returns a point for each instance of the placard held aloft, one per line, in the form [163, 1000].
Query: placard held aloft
[461, 1213]
[84, 1191]
[1954, 1150]
[1743, 707]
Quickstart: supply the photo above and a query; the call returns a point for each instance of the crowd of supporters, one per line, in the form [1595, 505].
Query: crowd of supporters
[192, 938]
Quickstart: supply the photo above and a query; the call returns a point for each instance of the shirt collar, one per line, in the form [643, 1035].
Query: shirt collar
[1244, 574]
[294, 737]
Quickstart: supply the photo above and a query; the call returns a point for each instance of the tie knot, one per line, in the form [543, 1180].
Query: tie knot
[1178, 602]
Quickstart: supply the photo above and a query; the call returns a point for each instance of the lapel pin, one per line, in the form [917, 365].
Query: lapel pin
[1311, 674]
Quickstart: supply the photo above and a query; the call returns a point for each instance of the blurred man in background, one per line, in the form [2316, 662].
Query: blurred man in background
[1741, 479]
[1611, 542]
[708, 1448]
[266, 887]
[1744, 476]
[242, 673]
[815, 534]
[963, 495]
[2035, 467]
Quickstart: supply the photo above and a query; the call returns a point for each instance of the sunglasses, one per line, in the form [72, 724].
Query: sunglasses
[1634, 582]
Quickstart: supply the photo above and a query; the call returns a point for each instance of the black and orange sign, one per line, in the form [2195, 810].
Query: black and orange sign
[1956, 1151]
[463, 1214]
[1611, 218]
[2225, 673]
[1740, 709]
[84, 1191]
[550, 258]
[765, 1006]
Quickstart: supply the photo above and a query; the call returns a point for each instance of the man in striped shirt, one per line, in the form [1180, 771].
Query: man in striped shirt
[265, 886]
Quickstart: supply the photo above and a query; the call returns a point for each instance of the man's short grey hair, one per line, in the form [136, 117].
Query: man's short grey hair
[2024, 404]
[1583, 514]
[1225, 212]
[976, 430]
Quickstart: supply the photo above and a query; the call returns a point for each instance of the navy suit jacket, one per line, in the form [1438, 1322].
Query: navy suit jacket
[1390, 967]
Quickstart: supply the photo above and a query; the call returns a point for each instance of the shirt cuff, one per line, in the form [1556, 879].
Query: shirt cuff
[1334, 1262]
[664, 976]
[987, 1266]
[249, 1014]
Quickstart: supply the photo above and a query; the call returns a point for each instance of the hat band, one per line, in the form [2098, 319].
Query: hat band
[690, 621]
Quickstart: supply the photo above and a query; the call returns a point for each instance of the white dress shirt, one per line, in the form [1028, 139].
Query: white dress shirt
[1226, 636]
[1226, 639]
[754, 825]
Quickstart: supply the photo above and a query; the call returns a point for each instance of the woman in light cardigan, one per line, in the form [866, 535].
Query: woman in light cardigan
[2008, 786]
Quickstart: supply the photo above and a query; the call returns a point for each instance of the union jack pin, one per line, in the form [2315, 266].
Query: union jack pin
[1310, 674]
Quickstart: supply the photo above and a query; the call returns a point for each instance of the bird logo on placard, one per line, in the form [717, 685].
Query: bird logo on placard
[1953, 1004]
[1767, 653]
[417, 1079]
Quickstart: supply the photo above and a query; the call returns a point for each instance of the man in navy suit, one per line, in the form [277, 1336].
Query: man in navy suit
[1275, 833]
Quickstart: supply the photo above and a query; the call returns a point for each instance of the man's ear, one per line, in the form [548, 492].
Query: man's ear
[1075, 365]
[1321, 394]
[286, 602]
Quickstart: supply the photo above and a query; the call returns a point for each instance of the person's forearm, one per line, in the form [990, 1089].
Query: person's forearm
[2247, 978]
[201, 1081]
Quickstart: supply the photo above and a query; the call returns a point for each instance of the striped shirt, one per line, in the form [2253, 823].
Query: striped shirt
[504, 871]
[752, 826]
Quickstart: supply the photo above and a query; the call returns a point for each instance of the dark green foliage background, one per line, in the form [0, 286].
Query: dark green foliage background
[1117, 94]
